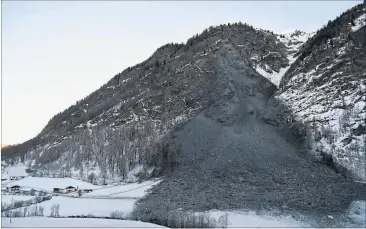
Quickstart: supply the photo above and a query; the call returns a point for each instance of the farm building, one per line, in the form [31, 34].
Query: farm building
[15, 188]
[71, 189]
[59, 190]
[16, 177]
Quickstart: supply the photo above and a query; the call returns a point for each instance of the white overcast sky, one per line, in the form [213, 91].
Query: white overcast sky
[55, 53]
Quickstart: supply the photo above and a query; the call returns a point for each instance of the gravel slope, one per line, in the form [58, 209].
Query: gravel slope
[230, 159]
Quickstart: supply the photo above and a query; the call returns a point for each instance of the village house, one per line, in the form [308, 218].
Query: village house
[59, 190]
[71, 189]
[15, 188]
[16, 177]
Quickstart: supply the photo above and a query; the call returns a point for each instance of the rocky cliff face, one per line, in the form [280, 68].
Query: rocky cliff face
[325, 87]
[292, 42]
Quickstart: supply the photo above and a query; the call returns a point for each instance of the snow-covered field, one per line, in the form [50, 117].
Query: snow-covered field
[8, 198]
[89, 203]
[124, 190]
[71, 222]
[80, 206]
[251, 219]
[121, 190]
[355, 217]
[17, 170]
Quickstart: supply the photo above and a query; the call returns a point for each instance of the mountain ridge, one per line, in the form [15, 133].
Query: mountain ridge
[275, 72]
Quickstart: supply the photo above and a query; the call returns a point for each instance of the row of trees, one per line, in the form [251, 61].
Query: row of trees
[181, 219]
[35, 210]
[332, 29]
[24, 203]
[24, 212]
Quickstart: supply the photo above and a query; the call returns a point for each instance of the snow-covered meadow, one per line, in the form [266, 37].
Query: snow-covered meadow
[72, 222]
[16, 170]
[87, 206]
[135, 190]
[101, 202]
[251, 219]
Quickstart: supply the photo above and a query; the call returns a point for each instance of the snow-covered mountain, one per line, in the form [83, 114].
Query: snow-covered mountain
[326, 88]
[233, 112]
[292, 41]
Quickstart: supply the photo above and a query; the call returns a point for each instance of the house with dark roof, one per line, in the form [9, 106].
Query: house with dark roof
[15, 188]
[70, 189]
[59, 190]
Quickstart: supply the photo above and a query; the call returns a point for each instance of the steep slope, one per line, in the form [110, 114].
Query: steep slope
[137, 108]
[248, 159]
[326, 86]
[292, 41]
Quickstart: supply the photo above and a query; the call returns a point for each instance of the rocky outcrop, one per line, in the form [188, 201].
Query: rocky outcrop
[325, 88]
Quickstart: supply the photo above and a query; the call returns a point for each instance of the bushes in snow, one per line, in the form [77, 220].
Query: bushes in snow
[55, 210]
[173, 219]
[117, 215]
[35, 210]
[180, 219]
[92, 177]
[25, 203]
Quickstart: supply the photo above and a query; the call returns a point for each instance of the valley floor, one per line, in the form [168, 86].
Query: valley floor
[71, 222]
[122, 198]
